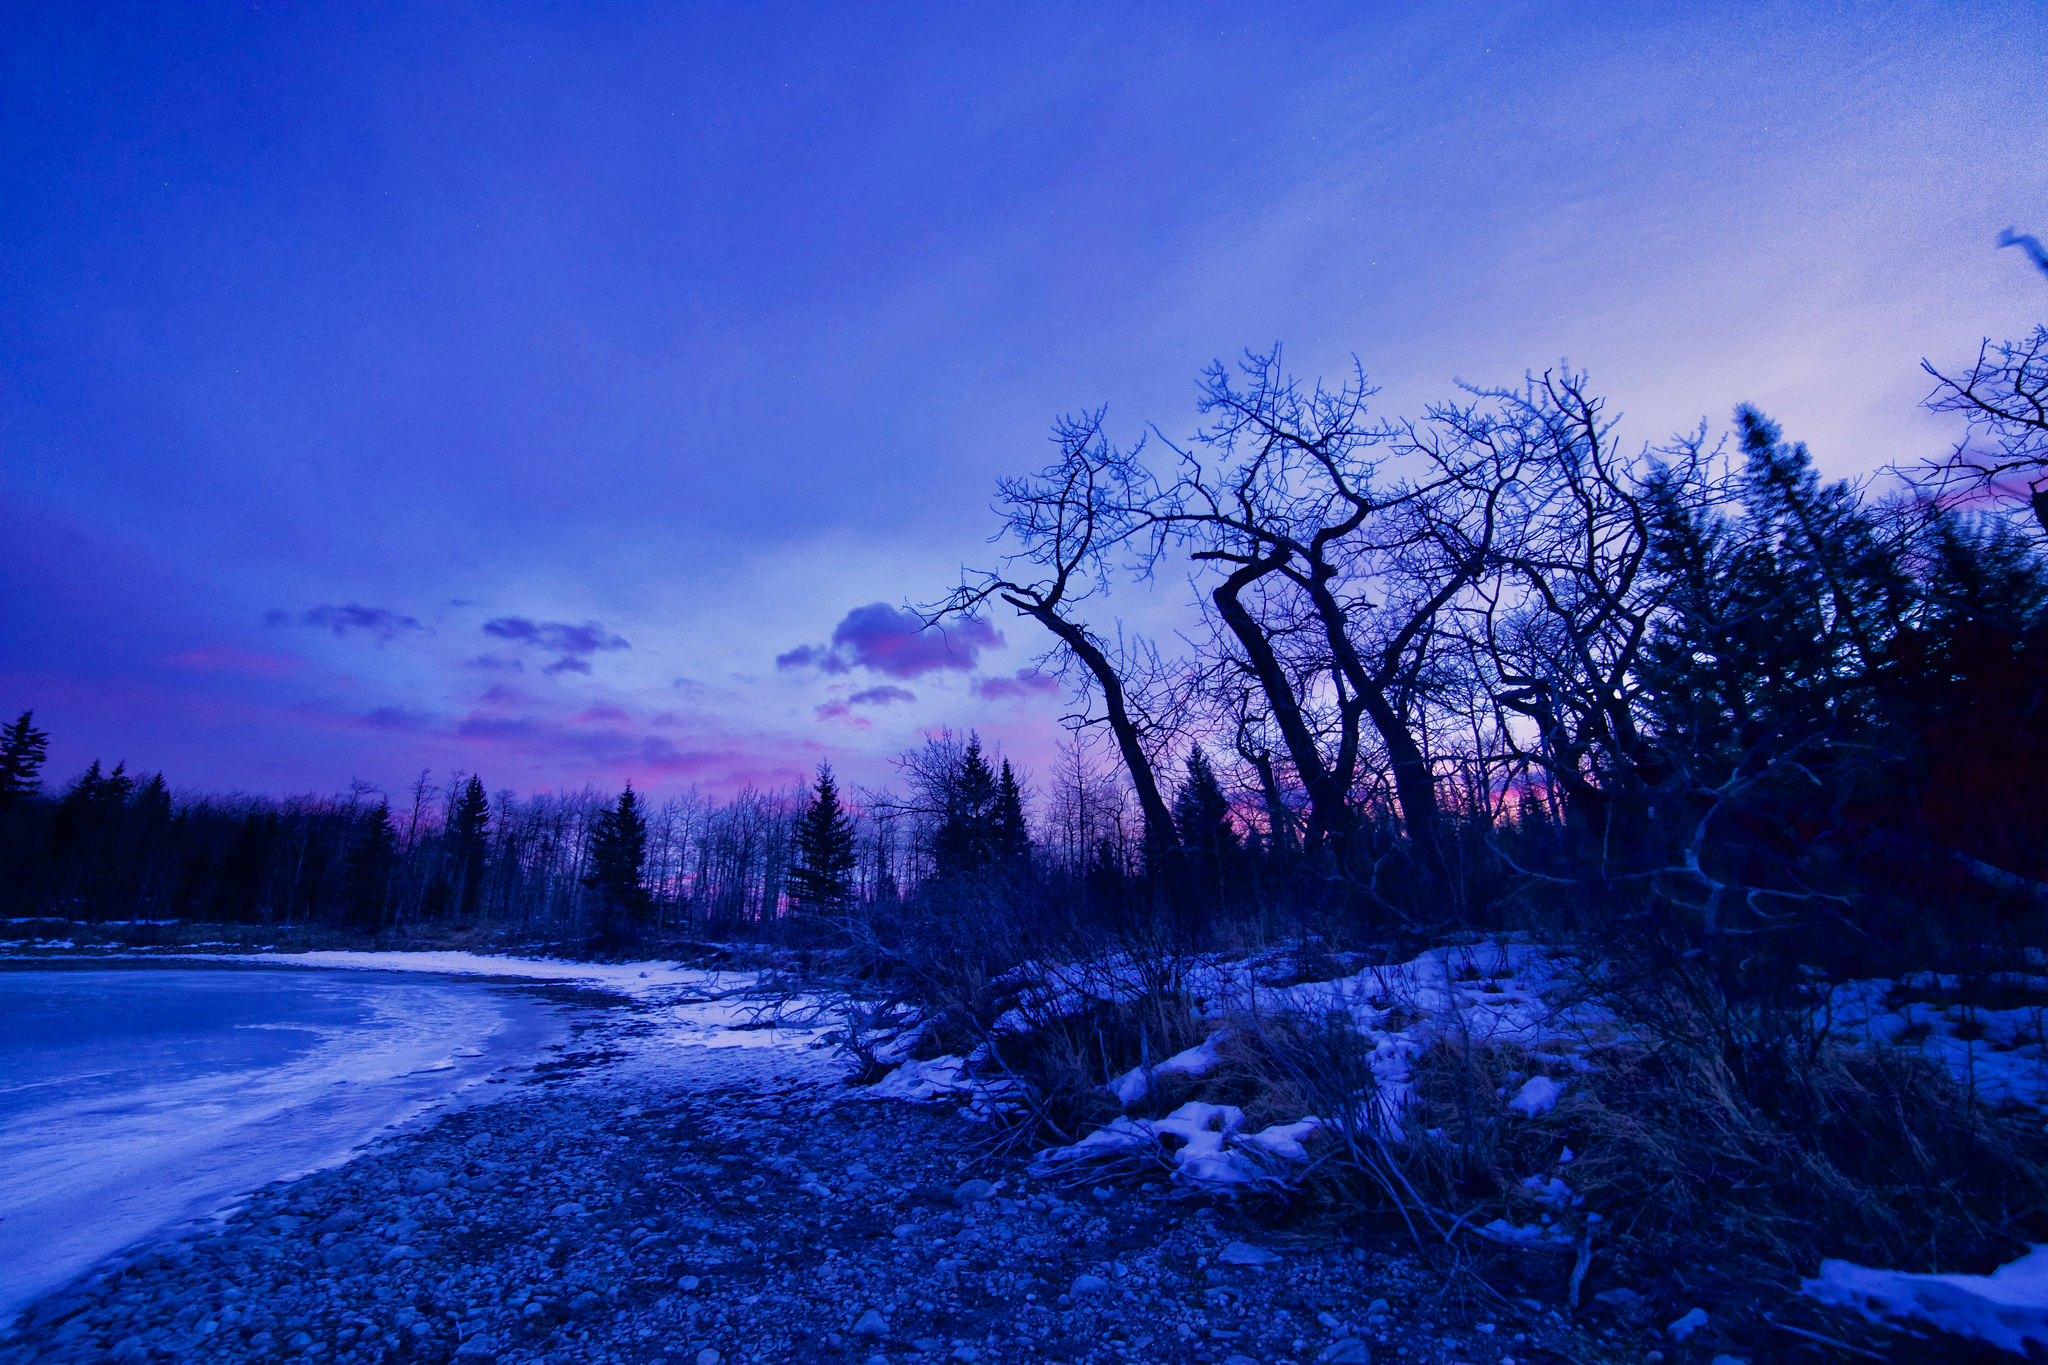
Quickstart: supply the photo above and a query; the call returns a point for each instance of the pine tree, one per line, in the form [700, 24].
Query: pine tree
[966, 842]
[117, 787]
[468, 829]
[618, 850]
[152, 803]
[22, 751]
[1012, 835]
[1201, 813]
[366, 876]
[821, 873]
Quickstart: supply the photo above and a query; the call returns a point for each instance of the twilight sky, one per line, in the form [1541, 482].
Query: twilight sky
[571, 393]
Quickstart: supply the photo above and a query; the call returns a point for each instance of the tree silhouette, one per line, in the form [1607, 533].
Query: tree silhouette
[618, 850]
[468, 828]
[821, 873]
[966, 842]
[367, 872]
[22, 751]
[1012, 835]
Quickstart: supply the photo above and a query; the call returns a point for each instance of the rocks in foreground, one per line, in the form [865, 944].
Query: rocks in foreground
[763, 1221]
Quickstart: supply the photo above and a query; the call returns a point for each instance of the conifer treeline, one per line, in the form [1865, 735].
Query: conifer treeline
[106, 847]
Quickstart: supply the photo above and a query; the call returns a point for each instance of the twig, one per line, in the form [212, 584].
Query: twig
[1579, 1267]
[1824, 1340]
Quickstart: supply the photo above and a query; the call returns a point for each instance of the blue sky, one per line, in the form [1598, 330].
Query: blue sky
[508, 387]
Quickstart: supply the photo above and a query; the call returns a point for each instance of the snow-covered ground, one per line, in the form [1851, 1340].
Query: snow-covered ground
[131, 1100]
[684, 1008]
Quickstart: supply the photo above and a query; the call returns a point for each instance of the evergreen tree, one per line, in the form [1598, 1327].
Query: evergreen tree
[1012, 835]
[22, 751]
[366, 876]
[1201, 813]
[152, 803]
[618, 850]
[821, 873]
[966, 842]
[468, 830]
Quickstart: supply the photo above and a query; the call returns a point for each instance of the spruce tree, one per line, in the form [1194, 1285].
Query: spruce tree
[618, 850]
[22, 751]
[1012, 835]
[821, 873]
[152, 803]
[1201, 813]
[966, 842]
[366, 876]
[468, 830]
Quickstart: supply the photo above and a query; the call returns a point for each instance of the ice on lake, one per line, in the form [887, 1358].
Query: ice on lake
[133, 1100]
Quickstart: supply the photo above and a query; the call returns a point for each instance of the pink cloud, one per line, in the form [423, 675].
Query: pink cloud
[221, 659]
[898, 644]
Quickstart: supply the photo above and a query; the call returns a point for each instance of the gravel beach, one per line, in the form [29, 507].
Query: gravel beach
[728, 1206]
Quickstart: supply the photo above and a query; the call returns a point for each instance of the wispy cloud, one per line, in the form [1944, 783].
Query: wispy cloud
[557, 637]
[379, 623]
[571, 644]
[1028, 682]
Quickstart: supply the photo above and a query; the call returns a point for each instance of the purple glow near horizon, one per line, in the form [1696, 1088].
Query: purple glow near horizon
[572, 396]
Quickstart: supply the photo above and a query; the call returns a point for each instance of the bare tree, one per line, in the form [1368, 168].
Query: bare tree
[1067, 522]
[1334, 582]
[2004, 399]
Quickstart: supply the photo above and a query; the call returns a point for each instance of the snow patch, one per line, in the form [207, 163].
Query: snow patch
[1538, 1095]
[2007, 1308]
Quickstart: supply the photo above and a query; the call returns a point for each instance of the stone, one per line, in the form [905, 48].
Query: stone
[1685, 1326]
[1379, 1306]
[1617, 1298]
[707, 1356]
[871, 1324]
[1243, 1253]
[973, 1192]
[585, 1301]
[1086, 1286]
[1350, 1351]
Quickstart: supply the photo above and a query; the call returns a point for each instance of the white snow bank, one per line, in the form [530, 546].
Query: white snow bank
[2007, 1308]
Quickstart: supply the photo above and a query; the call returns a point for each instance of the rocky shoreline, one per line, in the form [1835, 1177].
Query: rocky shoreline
[754, 1208]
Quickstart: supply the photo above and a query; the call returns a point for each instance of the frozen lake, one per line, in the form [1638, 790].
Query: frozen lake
[133, 1100]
